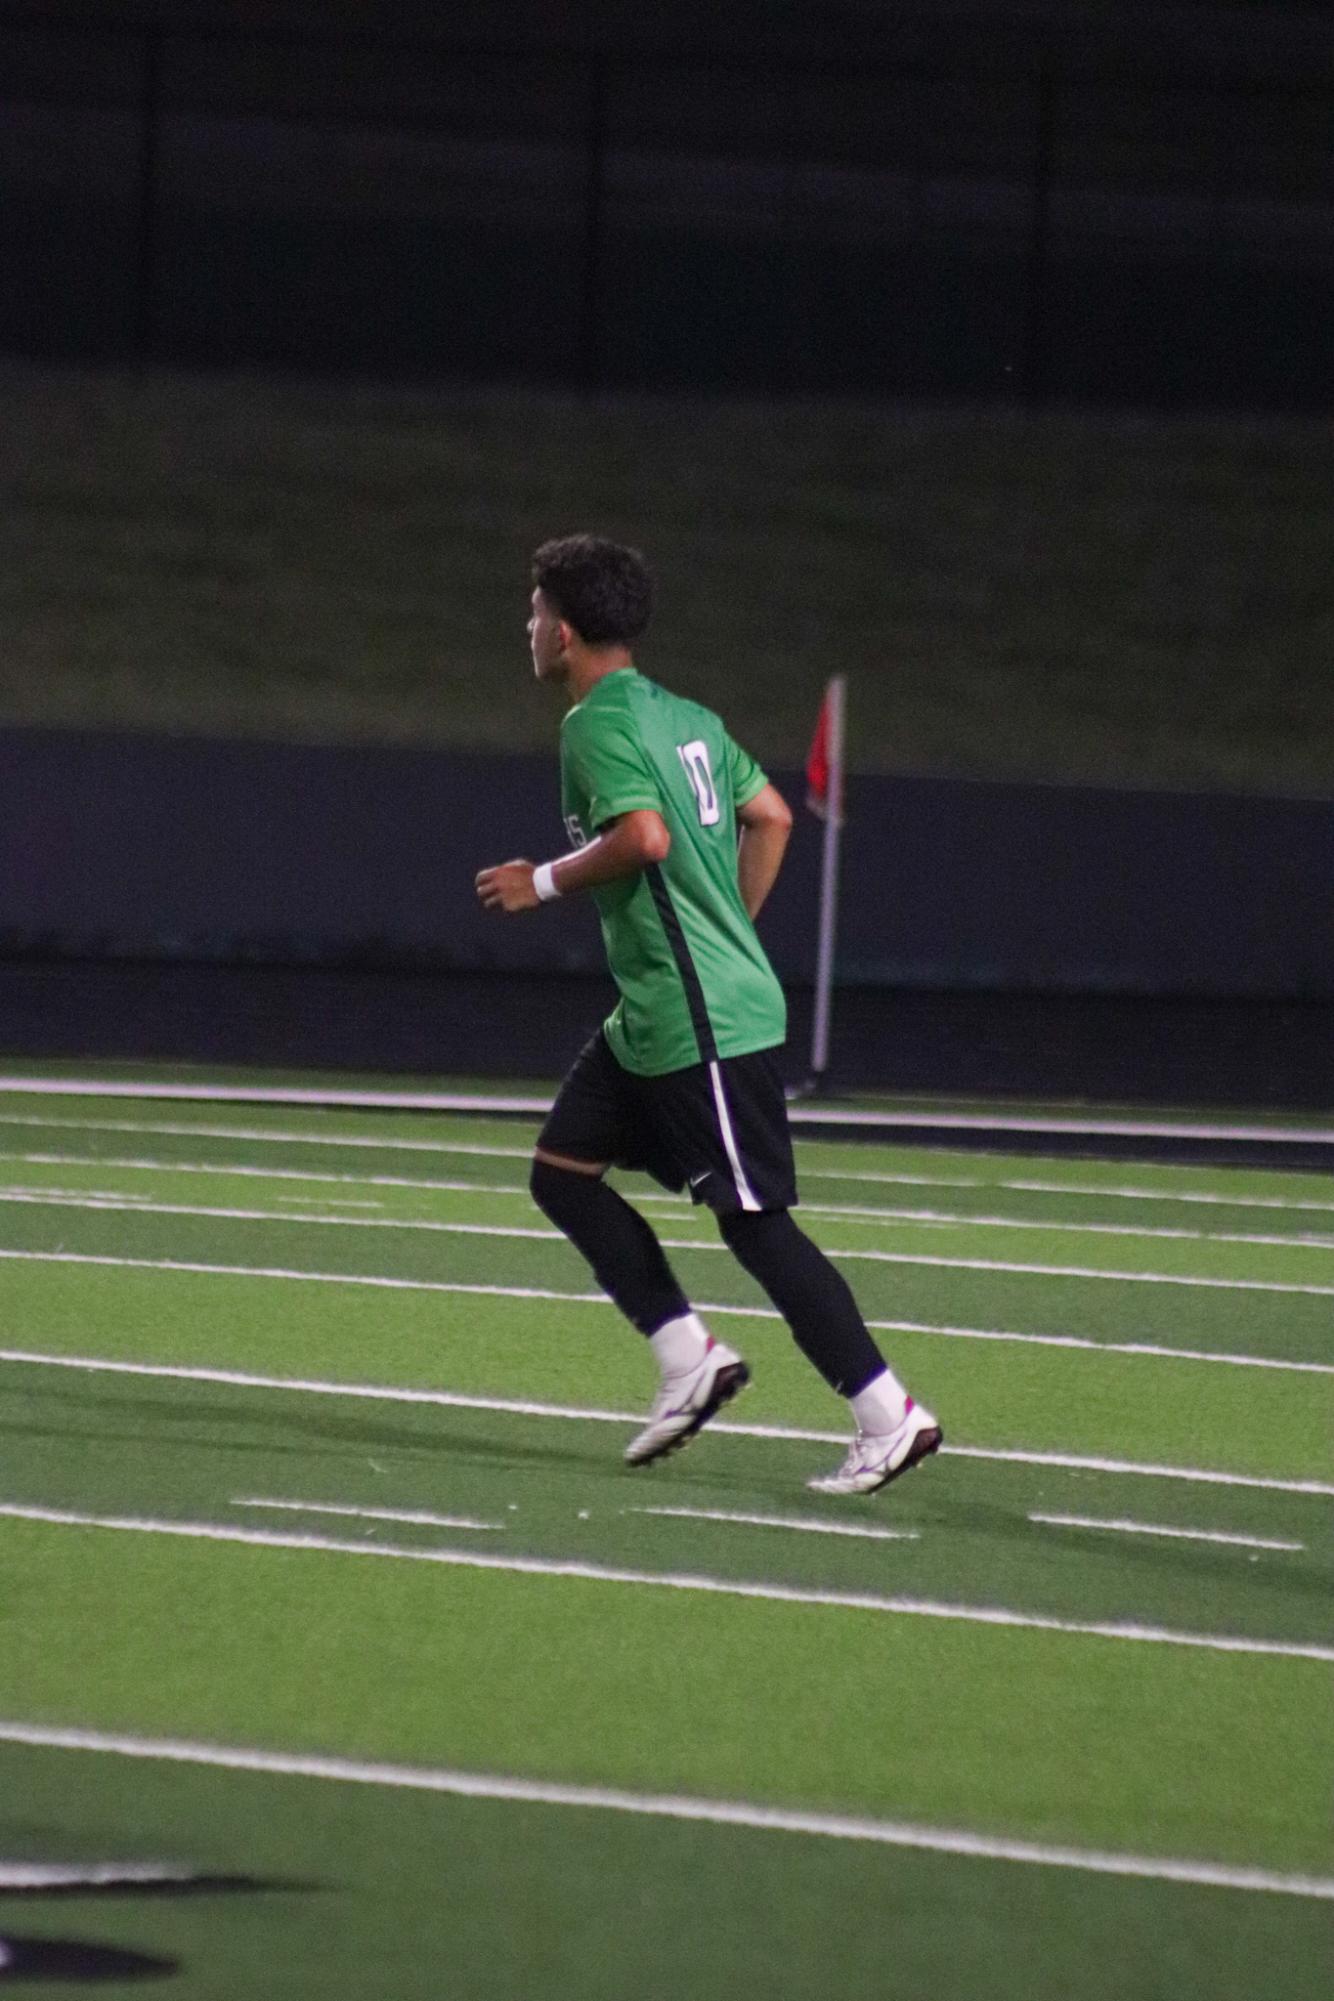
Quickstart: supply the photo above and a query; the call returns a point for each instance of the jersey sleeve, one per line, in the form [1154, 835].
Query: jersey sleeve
[747, 778]
[608, 766]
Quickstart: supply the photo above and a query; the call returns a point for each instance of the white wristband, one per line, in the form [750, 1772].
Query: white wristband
[544, 882]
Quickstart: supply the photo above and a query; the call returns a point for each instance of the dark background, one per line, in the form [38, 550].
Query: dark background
[356, 856]
[313, 906]
[1124, 203]
[1041, 204]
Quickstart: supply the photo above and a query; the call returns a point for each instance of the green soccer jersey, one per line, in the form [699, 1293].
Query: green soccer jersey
[693, 977]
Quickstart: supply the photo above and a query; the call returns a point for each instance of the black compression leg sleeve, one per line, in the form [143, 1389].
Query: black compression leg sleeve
[626, 1257]
[814, 1299]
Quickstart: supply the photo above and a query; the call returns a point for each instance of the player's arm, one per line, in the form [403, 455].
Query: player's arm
[626, 845]
[766, 822]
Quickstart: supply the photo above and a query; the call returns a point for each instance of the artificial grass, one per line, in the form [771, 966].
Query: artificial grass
[411, 1895]
[997, 1395]
[556, 1489]
[1075, 1739]
[1289, 1323]
[1060, 1736]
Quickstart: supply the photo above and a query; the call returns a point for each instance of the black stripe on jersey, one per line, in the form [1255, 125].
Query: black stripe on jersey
[685, 965]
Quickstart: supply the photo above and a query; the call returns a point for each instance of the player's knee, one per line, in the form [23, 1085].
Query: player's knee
[749, 1232]
[544, 1184]
[559, 1191]
[793, 1270]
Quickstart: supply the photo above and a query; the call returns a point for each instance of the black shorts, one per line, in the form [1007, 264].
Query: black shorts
[719, 1129]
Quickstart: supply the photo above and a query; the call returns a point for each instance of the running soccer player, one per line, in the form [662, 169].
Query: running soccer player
[679, 836]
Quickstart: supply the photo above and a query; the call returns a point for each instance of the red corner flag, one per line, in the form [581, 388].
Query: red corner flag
[817, 763]
[824, 764]
[824, 795]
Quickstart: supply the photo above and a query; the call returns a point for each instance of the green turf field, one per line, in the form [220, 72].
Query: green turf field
[325, 1590]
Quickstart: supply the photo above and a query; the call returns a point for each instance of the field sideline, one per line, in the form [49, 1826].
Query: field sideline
[343, 1656]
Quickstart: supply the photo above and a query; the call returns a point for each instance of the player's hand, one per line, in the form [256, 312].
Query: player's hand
[508, 887]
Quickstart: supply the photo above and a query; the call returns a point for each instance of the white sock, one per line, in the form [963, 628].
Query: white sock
[880, 1407]
[680, 1344]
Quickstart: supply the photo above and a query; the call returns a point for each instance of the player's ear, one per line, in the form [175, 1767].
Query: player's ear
[565, 633]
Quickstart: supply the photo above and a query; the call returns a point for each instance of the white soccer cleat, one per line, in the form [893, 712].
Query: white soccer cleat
[875, 1458]
[686, 1402]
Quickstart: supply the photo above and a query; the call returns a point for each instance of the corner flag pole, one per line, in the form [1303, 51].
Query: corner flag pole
[829, 797]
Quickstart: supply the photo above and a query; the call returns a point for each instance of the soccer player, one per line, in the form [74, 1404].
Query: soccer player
[679, 836]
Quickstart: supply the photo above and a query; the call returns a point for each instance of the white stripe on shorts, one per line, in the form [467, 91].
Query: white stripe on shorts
[745, 1193]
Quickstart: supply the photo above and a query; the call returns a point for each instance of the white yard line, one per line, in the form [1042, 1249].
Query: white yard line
[1149, 1350]
[1020, 1122]
[863, 1213]
[385, 1283]
[267, 1135]
[1153, 1350]
[112, 1198]
[1094, 1463]
[398, 1143]
[416, 1517]
[1155, 1528]
[800, 1523]
[424, 1520]
[1197, 1195]
[308, 1175]
[22, 1877]
[523, 1407]
[568, 1569]
[43, 1198]
[330, 1201]
[1084, 1189]
[953, 1219]
[505, 1104]
[667, 1806]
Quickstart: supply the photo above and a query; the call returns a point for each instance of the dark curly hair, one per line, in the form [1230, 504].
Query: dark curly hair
[600, 588]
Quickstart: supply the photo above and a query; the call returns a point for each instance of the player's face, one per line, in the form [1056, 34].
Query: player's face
[547, 640]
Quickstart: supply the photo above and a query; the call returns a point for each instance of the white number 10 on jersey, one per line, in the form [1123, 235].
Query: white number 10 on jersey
[695, 763]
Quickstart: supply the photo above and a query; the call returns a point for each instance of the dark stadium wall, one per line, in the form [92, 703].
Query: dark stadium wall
[176, 849]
